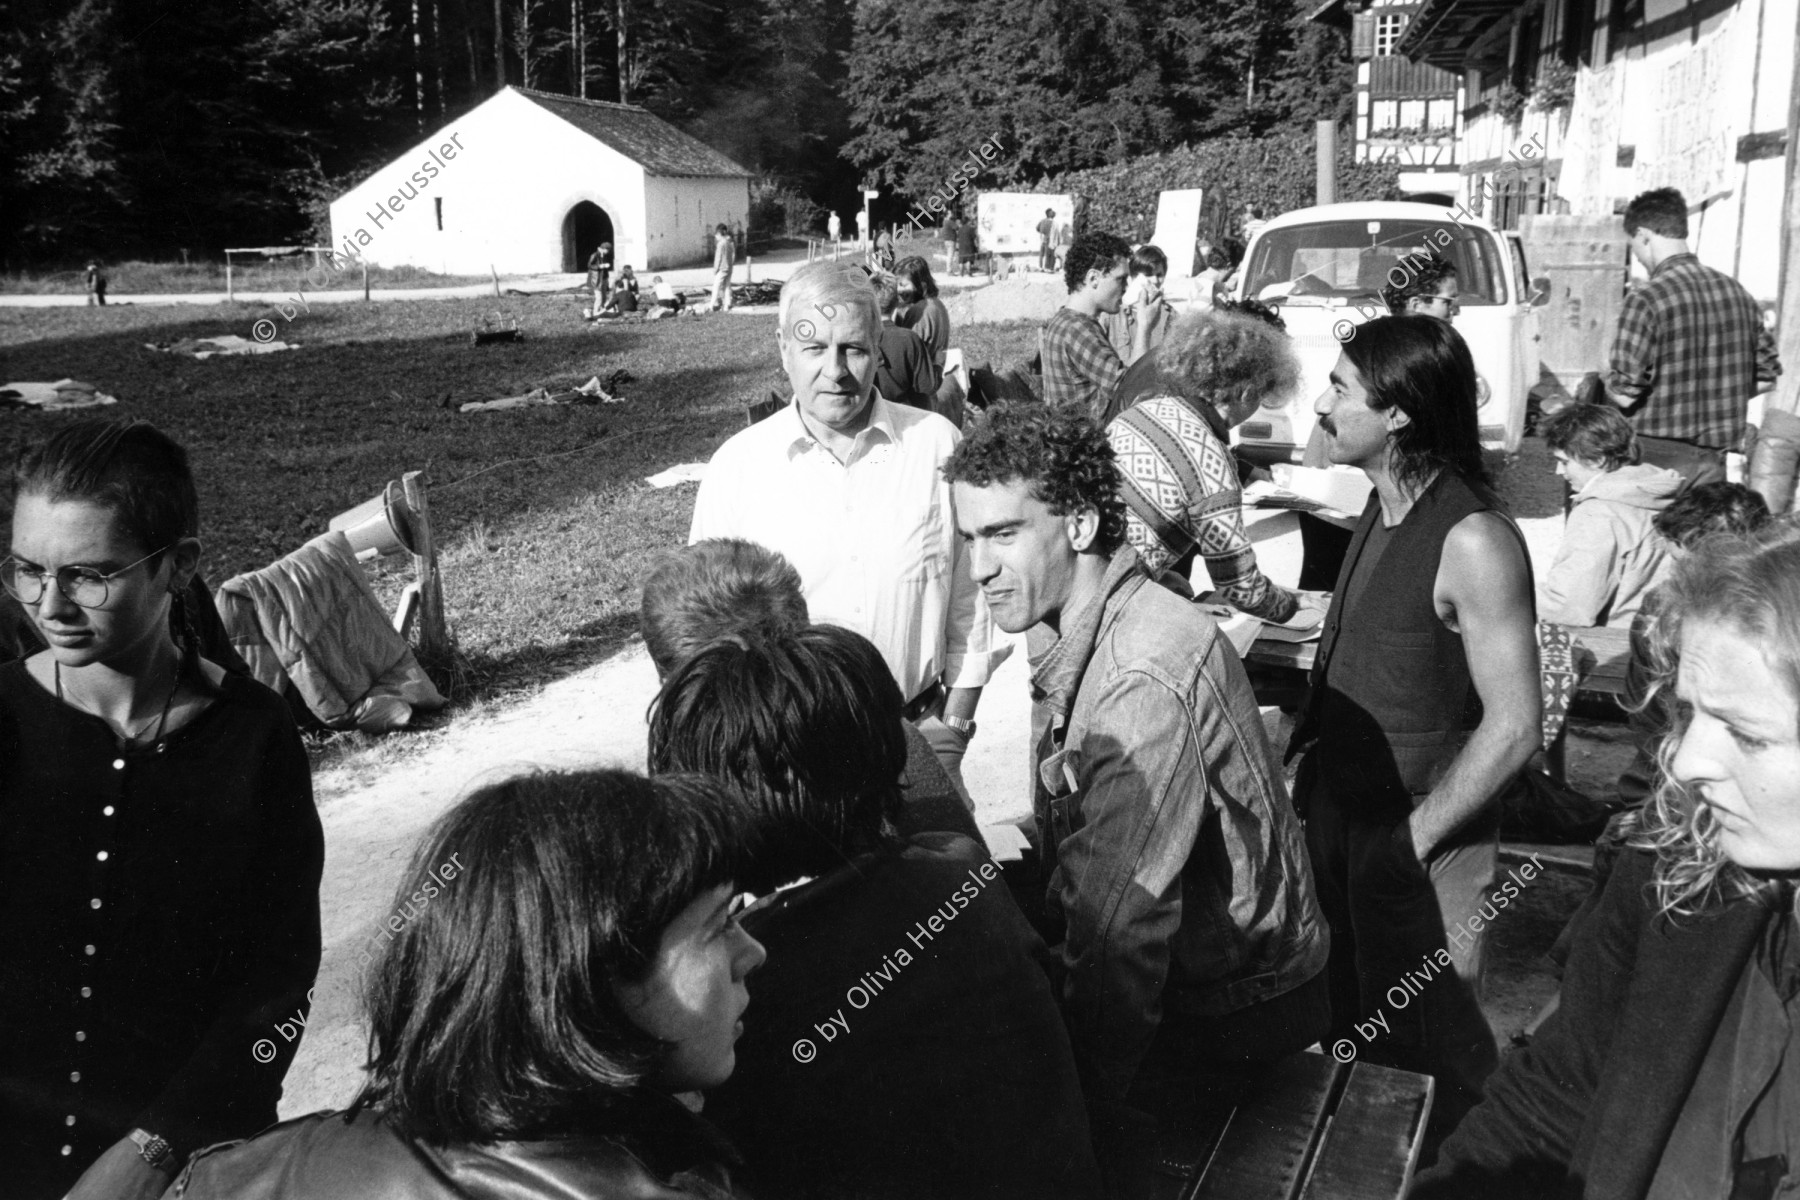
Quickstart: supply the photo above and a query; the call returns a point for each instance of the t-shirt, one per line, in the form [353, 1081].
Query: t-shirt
[1046, 228]
[664, 291]
[965, 239]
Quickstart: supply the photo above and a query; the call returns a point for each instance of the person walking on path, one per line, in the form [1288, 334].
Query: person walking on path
[834, 228]
[1691, 348]
[724, 259]
[96, 285]
[1046, 230]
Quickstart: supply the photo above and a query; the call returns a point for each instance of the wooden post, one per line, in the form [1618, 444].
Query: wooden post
[434, 634]
[1772, 459]
[229, 295]
[365, 267]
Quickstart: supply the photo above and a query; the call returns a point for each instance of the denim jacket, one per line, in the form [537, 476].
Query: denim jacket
[1177, 867]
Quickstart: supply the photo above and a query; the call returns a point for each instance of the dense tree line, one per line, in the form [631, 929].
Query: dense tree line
[140, 127]
[1071, 84]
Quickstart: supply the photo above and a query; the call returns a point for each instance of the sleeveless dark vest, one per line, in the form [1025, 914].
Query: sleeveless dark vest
[1392, 703]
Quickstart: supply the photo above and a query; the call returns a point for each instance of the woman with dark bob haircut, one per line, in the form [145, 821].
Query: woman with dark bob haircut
[572, 962]
[906, 1042]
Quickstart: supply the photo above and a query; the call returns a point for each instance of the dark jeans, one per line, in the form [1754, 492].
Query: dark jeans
[1699, 464]
[1392, 999]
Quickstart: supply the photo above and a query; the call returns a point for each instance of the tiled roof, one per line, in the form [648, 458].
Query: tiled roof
[642, 136]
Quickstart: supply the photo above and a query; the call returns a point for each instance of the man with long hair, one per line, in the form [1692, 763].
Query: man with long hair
[1424, 703]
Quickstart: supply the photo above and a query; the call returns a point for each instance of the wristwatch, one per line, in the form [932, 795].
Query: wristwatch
[154, 1150]
[966, 728]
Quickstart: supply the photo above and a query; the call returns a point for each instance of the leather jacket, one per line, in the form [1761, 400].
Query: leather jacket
[332, 1156]
[1177, 866]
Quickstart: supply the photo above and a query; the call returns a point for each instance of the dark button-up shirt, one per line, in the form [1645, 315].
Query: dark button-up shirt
[159, 916]
[1690, 352]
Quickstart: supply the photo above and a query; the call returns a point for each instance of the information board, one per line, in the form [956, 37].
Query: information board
[1177, 227]
[1006, 222]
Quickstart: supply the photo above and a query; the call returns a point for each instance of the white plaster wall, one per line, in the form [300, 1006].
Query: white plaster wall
[504, 196]
[681, 212]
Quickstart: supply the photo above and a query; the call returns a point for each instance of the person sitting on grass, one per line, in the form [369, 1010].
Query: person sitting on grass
[667, 299]
[1610, 556]
[727, 587]
[906, 1041]
[905, 374]
[625, 291]
[577, 964]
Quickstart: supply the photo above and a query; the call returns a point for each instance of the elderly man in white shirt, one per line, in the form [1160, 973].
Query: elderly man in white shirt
[847, 487]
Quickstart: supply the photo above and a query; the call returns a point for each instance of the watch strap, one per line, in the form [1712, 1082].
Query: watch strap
[964, 727]
[154, 1149]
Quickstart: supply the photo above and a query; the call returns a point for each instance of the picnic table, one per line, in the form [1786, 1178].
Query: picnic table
[1311, 1128]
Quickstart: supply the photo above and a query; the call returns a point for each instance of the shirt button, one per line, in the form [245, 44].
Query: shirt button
[88, 950]
[107, 811]
[118, 764]
[80, 1036]
[67, 1150]
[101, 856]
[69, 1120]
[74, 1076]
[94, 903]
[86, 992]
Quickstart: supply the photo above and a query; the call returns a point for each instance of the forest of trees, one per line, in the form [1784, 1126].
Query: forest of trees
[136, 128]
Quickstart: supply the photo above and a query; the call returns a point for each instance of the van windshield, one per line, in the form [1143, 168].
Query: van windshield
[1352, 259]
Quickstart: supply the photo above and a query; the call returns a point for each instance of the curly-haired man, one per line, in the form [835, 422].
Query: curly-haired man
[1175, 868]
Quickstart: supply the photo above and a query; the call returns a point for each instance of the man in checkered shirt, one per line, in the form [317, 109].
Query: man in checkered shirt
[1691, 348]
[1081, 368]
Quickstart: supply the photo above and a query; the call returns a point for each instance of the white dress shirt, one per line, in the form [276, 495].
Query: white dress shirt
[874, 539]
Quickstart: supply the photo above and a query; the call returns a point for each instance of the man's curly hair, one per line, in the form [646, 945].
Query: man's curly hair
[1060, 452]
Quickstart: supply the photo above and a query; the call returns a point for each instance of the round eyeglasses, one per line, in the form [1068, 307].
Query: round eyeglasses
[81, 586]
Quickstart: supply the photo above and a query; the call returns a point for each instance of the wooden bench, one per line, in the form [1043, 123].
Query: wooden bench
[1312, 1128]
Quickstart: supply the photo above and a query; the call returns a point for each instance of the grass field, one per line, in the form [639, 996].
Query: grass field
[277, 275]
[542, 514]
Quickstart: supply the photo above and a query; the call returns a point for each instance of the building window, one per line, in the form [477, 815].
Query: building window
[1412, 114]
[1387, 115]
[1441, 114]
[1388, 28]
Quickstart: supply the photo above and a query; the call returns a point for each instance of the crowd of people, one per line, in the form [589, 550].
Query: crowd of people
[783, 963]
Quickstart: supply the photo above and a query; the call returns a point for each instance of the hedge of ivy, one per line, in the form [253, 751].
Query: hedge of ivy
[1277, 172]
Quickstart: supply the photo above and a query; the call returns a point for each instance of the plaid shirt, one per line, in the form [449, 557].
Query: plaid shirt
[1081, 367]
[1690, 352]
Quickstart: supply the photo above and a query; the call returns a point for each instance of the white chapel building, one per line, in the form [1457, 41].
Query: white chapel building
[528, 182]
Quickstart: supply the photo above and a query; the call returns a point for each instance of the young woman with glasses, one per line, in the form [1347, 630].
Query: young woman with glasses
[159, 850]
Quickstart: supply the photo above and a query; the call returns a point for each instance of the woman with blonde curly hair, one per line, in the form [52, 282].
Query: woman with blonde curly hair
[1671, 1067]
[1179, 479]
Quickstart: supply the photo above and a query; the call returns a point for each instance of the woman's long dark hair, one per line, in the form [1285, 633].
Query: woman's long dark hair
[139, 474]
[492, 1013]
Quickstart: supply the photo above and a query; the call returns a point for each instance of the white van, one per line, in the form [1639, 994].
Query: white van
[1323, 270]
